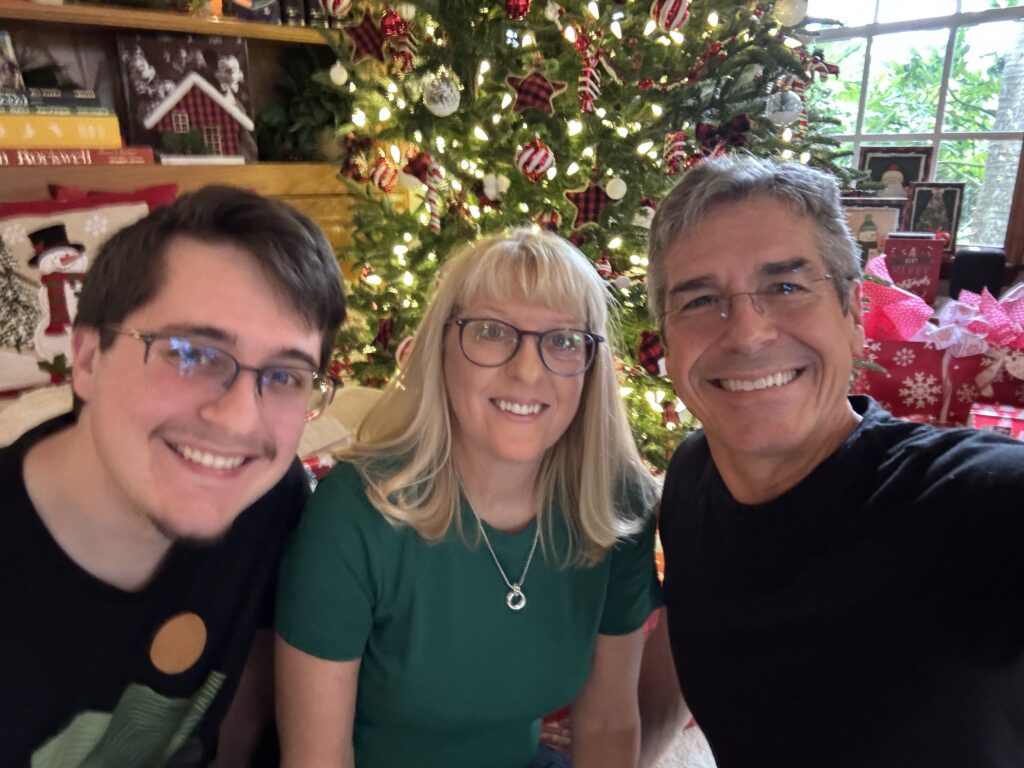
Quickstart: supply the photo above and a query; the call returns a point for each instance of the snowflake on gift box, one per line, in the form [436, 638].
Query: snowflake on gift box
[14, 234]
[97, 225]
[871, 350]
[920, 390]
[886, 405]
[967, 393]
[904, 356]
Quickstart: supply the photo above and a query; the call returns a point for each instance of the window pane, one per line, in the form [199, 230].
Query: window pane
[850, 14]
[905, 10]
[967, 6]
[903, 87]
[986, 86]
[989, 170]
[839, 97]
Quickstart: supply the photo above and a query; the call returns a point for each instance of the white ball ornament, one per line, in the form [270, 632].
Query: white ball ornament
[615, 189]
[495, 186]
[784, 107]
[622, 282]
[336, 8]
[789, 13]
[441, 92]
[338, 74]
[670, 14]
[408, 182]
[406, 10]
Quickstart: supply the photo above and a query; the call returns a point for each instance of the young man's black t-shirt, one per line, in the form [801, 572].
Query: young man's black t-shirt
[100, 676]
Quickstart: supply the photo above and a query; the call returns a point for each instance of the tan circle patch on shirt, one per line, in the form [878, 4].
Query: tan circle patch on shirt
[178, 644]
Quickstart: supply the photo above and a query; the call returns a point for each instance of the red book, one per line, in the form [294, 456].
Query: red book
[135, 155]
[913, 260]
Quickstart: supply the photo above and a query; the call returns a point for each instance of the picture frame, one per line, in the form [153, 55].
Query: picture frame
[935, 206]
[871, 219]
[896, 167]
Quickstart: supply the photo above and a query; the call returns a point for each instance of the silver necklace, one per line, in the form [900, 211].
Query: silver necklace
[515, 599]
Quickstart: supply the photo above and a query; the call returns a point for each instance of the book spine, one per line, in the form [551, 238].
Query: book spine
[59, 132]
[11, 97]
[53, 109]
[136, 155]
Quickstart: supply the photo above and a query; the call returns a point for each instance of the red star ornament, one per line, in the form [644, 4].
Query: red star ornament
[367, 38]
[589, 204]
[535, 90]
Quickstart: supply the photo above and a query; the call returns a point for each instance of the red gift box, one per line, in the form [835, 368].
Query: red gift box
[934, 371]
[1004, 419]
[920, 383]
[914, 259]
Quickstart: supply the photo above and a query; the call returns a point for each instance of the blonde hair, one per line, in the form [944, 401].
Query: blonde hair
[593, 474]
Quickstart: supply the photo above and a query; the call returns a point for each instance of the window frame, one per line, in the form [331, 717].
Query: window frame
[1014, 242]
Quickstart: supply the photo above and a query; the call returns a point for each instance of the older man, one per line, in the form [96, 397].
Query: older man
[141, 536]
[842, 588]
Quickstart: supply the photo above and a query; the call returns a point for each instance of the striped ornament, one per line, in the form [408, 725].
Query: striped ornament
[336, 8]
[384, 174]
[670, 14]
[534, 159]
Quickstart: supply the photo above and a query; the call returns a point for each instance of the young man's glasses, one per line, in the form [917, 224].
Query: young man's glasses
[704, 309]
[186, 362]
[490, 343]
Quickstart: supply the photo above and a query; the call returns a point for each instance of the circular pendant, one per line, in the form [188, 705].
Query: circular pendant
[515, 599]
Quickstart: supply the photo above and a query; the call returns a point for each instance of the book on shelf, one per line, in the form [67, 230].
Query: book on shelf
[52, 109]
[49, 97]
[20, 131]
[168, 159]
[27, 158]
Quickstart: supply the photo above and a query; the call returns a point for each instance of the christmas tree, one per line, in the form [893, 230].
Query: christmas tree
[19, 308]
[578, 116]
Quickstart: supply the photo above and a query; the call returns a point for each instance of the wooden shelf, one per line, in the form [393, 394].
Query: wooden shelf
[313, 188]
[162, 21]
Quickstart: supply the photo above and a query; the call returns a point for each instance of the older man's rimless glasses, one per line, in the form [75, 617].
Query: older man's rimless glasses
[490, 343]
[703, 309]
[188, 363]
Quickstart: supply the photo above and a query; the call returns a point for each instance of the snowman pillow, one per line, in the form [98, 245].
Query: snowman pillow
[44, 257]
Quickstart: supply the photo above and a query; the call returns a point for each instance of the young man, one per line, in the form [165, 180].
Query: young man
[141, 537]
[843, 588]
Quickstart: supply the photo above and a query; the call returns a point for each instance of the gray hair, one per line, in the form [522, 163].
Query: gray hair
[730, 179]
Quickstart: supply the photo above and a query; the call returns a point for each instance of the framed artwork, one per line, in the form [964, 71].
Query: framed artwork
[871, 219]
[896, 167]
[935, 207]
[187, 94]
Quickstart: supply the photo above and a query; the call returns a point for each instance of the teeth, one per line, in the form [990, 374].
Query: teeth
[519, 409]
[749, 385]
[210, 460]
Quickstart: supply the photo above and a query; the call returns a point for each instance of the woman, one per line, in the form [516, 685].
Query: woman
[486, 554]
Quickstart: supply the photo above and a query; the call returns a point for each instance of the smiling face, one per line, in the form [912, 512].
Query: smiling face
[764, 387]
[189, 461]
[510, 415]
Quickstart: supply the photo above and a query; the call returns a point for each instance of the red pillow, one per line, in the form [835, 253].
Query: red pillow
[154, 197]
